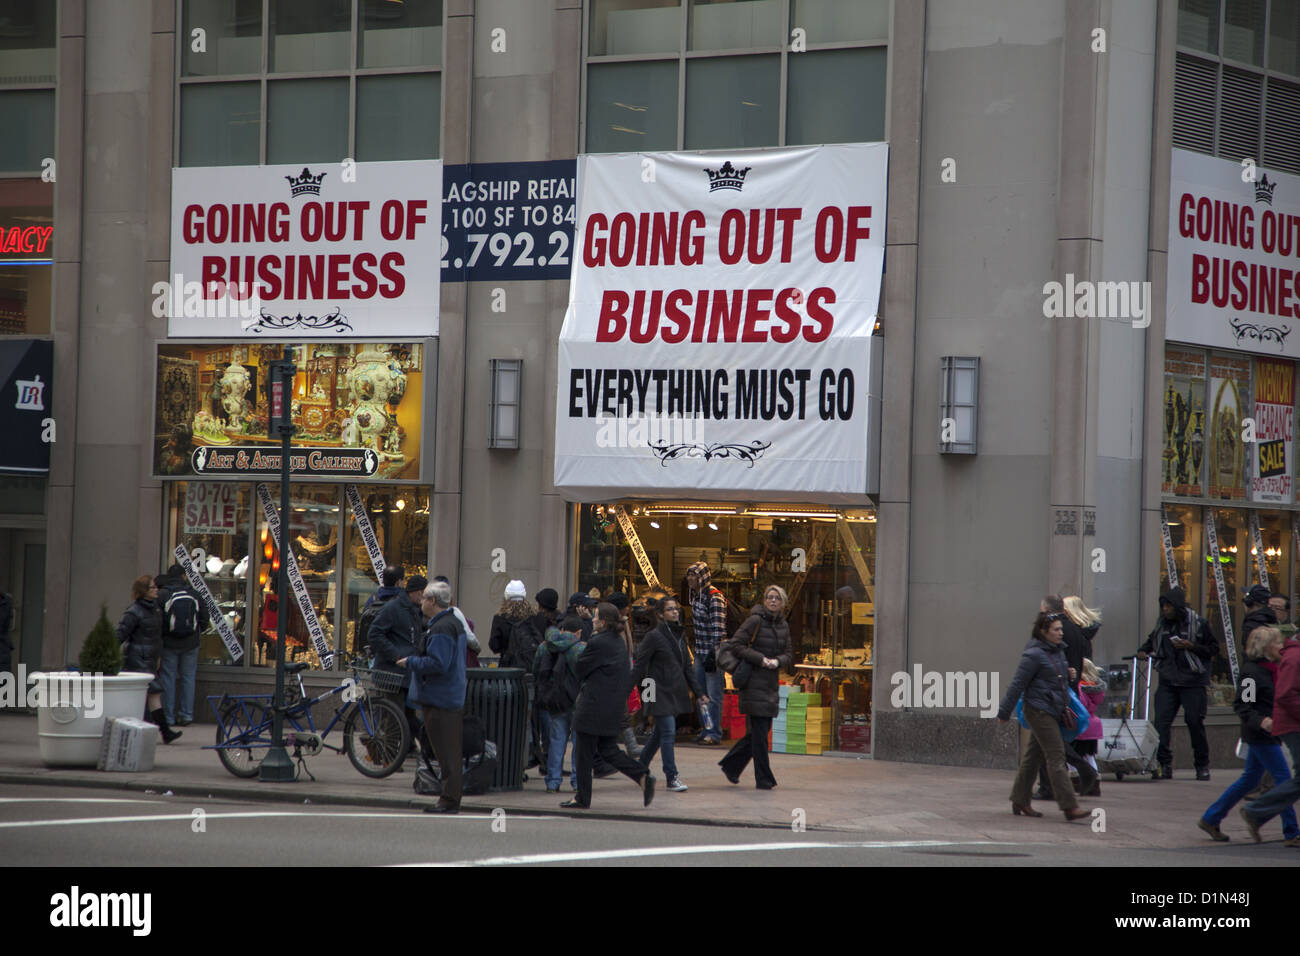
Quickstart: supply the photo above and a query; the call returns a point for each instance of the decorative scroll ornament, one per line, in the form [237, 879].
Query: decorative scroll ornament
[336, 320]
[1267, 333]
[747, 453]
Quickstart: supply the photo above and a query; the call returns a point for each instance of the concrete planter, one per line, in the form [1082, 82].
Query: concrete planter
[74, 708]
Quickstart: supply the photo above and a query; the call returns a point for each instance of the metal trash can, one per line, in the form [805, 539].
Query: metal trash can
[499, 696]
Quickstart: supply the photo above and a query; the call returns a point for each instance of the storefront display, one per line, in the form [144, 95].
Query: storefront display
[221, 526]
[824, 559]
[354, 395]
[1184, 422]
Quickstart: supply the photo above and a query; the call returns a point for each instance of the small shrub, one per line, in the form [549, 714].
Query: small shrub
[101, 654]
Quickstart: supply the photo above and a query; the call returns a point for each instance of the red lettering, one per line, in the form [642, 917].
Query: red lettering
[390, 268]
[786, 314]
[612, 324]
[1200, 279]
[593, 246]
[338, 279]
[756, 310]
[674, 312]
[815, 311]
[363, 270]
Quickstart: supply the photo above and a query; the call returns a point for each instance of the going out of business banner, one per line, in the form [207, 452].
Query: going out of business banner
[323, 250]
[719, 330]
[1234, 256]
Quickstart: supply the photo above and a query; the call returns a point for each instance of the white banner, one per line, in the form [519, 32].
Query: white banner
[299, 252]
[1257, 539]
[718, 337]
[210, 507]
[205, 595]
[1171, 566]
[297, 586]
[1225, 612]
[367, 531]
[1234, 256]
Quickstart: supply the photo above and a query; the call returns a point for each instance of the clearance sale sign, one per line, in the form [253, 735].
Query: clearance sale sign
[319, 251]
[718, 338]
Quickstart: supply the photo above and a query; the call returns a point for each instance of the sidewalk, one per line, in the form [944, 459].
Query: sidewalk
[876, 799]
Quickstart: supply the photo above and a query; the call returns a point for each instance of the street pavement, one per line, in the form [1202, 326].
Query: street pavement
[826, 797]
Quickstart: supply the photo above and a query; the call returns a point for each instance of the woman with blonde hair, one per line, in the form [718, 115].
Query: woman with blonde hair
[1254, 705]
[762, 642]
[1092, 692]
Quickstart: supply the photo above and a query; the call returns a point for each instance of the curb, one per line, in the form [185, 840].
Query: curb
[389, 803]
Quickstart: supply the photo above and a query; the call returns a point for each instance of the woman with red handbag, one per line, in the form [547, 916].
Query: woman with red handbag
[1043, 679]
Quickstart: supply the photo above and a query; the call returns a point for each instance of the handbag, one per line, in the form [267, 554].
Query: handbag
[740, 670]
[1076, 710]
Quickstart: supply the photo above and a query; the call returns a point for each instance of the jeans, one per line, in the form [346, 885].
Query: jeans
[1281, 798]
[178, 702]
[1194, 701]
[665, 734]
[712, 684]
[752, 745]
[1260, 758]
[558, 729]
[1044, 743]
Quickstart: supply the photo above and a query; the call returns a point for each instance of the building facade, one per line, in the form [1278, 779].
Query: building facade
[1029, 143]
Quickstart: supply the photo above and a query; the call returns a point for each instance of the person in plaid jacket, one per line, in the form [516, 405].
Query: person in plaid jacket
[709, 620]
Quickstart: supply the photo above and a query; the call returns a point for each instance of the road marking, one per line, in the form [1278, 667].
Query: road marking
[634, 852]
[213, 815]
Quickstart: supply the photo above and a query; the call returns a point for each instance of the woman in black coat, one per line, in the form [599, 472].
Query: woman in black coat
[140, 632]
[605, 679]
[661, 658]
[764, 642]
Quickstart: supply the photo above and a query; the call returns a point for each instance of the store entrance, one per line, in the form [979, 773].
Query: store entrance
[823, 558]
[23, 552]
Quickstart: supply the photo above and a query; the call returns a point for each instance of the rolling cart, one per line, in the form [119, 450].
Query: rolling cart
[1128, 742]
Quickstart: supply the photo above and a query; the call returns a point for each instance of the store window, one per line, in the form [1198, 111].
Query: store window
[212, 519]
[26, 255]
[824, 559]
[222, 526]
[698, 74]
[28, 63]
[290, 81]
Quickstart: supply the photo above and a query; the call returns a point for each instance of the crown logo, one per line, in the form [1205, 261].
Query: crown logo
[305, 183]
[728, 177]
[1264, 190]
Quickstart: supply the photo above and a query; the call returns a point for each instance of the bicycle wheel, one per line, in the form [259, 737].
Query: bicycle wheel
[242, 723]
[379, 751]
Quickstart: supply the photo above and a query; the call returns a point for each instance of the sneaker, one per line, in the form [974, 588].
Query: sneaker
[1215, 833]
[1293, 841]
[1166, 772]
[676, 786]
[1202, 773]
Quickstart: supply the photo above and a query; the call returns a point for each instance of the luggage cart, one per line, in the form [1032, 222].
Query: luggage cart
[1129, 740]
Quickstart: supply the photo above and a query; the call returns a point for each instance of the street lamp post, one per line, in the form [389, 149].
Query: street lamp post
[276, 766]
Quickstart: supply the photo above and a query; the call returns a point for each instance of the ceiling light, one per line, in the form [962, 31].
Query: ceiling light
[654, 524]
[713, 525]
[691, 526]
[401, 504]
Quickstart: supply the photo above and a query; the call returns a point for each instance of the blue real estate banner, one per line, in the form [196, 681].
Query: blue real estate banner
[26, 399]
[507, 221]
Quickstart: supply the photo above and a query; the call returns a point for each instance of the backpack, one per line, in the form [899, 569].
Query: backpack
[365, 622]
[479, 756]
[182, 614]
[557, 684]
[521, 650]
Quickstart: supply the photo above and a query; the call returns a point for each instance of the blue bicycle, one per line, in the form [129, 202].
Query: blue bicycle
[376, 736]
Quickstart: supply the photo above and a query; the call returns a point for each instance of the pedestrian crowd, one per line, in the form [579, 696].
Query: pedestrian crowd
[1059, 692]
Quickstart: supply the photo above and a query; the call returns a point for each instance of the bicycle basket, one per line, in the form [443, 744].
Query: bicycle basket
[380, 682]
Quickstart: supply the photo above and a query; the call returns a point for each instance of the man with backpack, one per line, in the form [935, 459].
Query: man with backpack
[557, 692]
[185, 618]
[391, 586]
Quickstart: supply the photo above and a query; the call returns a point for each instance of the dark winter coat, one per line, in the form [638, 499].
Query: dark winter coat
[1252, 713]
[397, 632]
[660, 656]
[183, 642]
[763, 634]
[1181, 667]
[502, 627]
[140, 633]
[606, 679]
[1042, 679]
[1259, 617]
[438, 667]
[1078, 645]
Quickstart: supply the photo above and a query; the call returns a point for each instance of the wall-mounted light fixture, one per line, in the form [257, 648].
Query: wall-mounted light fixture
[503, 405]
[958, 404]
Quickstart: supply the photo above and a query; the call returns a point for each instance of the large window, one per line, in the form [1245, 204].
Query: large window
[701, 74]
[309, 81]
[1237, 85]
